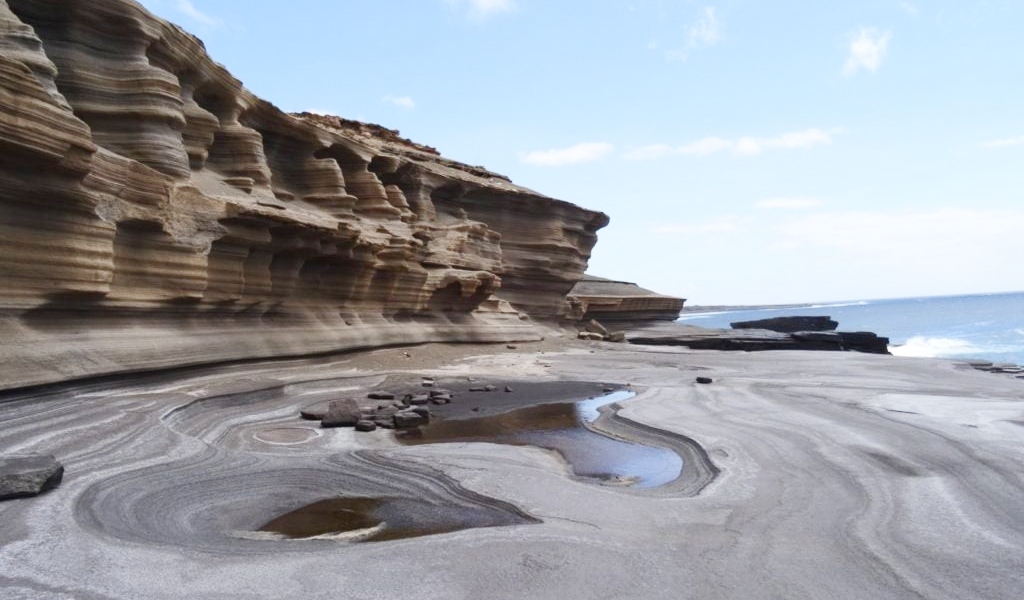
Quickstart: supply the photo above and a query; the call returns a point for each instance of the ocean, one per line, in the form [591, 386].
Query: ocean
[981, 327]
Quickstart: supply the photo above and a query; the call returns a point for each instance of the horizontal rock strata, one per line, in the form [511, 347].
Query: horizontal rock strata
[608, 300]
[700, 338]
[155, 213]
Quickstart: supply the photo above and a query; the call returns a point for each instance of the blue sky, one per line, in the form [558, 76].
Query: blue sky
[746, 151]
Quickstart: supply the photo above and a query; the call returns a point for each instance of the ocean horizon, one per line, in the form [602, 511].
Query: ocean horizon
[969, 326]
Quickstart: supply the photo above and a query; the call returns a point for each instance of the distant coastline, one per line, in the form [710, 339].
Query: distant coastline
[697, 309]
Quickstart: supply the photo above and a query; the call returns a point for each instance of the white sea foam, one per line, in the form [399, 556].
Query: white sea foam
[838, 304]
[930, 347]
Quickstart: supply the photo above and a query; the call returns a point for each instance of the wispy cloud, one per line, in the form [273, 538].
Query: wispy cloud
[795, 203]
[705, 31]
[482, 9]
[188, 9]
[867, 49]
[1015, 141]
[580, 153]
[909, 8]
[744, 146]
[400, 101]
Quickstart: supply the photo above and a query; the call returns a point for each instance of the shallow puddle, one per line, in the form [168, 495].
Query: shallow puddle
[382, 519]
[562, 427]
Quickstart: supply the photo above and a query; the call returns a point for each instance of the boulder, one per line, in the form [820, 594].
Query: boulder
[789, 324]
[595, 327]
[342, 413]
[23, 475]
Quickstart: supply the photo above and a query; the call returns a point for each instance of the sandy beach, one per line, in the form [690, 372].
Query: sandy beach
[828, 475]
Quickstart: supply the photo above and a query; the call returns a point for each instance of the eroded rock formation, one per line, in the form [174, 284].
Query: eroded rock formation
[609, 300]
[155, 213]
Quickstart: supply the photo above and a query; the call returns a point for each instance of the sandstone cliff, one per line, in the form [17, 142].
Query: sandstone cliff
[155, 213]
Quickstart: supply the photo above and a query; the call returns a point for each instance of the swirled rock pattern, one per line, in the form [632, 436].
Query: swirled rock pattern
[155, 213]
[834, 475]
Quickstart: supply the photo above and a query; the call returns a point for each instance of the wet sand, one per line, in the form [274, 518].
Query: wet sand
[825, 475]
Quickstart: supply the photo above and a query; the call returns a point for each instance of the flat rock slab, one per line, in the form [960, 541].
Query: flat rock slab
[23, 475]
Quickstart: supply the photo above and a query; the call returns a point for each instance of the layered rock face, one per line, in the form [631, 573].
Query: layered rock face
[154, 213]
[608, 300]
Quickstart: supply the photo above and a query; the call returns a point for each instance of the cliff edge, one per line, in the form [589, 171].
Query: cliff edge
[154, 213]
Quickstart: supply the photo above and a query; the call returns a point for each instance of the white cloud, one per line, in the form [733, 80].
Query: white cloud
[482, 9]
[750, 146]
[867, 49]
[400, 101]
[744, 146]
[580, 153]
[705, 31]
[794, 203]
[1016, 141]
[189, 9]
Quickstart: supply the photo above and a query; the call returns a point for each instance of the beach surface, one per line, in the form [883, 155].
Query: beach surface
[807, 475]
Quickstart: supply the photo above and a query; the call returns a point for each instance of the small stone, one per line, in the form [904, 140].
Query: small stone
[704, 380]
[607, 389]
[440, 399]
[342, 413]
[380, 396]
[483, 388]
[508, 389]
[440, 392]
[408, 419]
[428, 383]
[365, 425]
[590, 335]
[475, 409]
[511, 346]
[23, 475]
[419, 400]
[617, 336]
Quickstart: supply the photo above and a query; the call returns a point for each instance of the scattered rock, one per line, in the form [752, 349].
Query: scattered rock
[589, 335]
[384, 421]
[617, 336]
[408, 419]
[427, 382]
[23, 475]
[440, 392]
[607, 389]
[342, 413]
[419, 399]
[704, 380]
[365, 425]
[508, 389]
[595, 327]
[511, 346]
[423, 411]
[440, 399]
[314, 413]
[483, 388]
[475, 409]
[380, 396]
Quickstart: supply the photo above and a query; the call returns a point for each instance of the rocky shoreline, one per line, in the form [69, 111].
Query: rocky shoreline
[837, 458]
